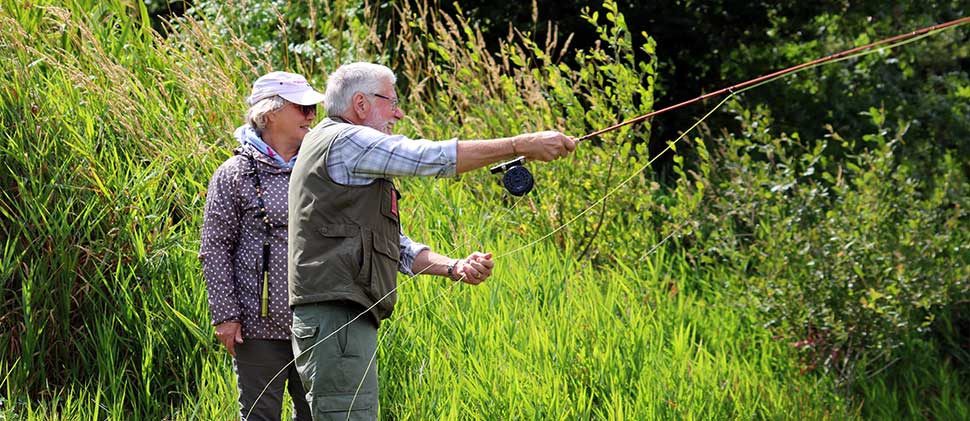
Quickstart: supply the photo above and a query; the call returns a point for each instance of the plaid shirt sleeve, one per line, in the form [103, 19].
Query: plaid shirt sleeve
[363, 155]
[409, 250]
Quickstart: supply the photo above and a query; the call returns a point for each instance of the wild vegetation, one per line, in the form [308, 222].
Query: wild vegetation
[801, 253]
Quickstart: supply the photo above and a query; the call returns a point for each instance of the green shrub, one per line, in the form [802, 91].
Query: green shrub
[850, 257]
[309, 37]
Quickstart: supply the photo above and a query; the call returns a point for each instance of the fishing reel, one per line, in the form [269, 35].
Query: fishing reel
[517, 179]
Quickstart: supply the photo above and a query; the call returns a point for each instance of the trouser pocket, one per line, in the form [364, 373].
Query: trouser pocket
[333, 368]
[359, 406]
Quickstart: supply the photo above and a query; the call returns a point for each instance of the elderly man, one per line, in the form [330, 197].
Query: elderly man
[345, 238]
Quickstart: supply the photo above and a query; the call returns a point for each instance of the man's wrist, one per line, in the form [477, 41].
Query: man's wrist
[451, 269]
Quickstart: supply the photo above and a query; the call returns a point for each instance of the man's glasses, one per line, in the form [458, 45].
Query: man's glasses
[394, 101]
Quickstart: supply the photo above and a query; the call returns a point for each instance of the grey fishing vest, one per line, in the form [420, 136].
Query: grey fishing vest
[344, 241]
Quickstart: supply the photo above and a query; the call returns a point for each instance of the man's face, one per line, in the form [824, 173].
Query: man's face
[384, 111]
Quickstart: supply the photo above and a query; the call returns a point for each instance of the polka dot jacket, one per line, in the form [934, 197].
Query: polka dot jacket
[232, 245]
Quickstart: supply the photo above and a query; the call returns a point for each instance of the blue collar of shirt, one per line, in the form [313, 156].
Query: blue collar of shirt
[246, 135]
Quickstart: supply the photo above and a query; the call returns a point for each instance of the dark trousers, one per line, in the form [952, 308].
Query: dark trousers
[336, 360]
[256, 362]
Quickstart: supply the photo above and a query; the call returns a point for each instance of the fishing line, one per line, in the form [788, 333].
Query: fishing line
[458, 281]
[771, 76]
[387, 333]
[670, 145]
[285, 366]
[394, 326]
[731, 90]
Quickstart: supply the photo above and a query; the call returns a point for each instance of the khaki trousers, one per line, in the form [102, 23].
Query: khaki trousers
[337, 363]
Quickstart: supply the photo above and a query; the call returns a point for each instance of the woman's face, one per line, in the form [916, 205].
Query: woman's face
[292, 122]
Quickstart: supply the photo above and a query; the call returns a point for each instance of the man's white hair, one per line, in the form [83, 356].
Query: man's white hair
[350, 79]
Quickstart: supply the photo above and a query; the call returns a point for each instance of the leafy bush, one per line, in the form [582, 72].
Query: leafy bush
[849, 257]
[920, 83]
[307, 37]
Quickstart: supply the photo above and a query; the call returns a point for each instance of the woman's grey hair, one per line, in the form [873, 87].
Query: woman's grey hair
[349, 79]
[256, 115]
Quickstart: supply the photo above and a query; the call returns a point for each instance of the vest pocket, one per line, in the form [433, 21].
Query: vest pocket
[389, 205]
[384, 265]
[341, 251]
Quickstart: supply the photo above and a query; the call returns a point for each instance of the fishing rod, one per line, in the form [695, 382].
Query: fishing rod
[518, 180]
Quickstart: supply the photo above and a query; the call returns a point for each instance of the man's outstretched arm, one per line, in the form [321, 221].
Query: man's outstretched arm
[539, 146]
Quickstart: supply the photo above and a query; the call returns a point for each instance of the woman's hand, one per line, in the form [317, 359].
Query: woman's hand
[230, 334]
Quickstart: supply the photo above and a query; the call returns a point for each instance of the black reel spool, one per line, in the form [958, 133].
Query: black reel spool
[517, 179]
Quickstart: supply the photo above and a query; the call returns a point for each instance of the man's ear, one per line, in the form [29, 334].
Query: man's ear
[360, 105]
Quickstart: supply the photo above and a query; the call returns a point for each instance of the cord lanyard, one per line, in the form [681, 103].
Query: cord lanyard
[268, 228]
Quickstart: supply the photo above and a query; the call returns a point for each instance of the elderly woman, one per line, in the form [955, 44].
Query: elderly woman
[244, 244]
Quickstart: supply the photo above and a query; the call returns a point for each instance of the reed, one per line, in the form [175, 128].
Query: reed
[112, 131]
[108, 143]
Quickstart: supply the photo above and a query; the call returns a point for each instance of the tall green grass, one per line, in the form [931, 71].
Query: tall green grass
[107, 145]
[111, 133]
[548, 337]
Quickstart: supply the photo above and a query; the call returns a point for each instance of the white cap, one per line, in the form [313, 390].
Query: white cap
[290, 86]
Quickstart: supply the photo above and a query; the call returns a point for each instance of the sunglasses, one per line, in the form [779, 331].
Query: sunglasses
[307, 109]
